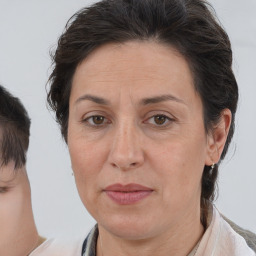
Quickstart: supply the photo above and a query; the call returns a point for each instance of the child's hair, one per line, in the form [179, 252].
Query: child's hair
[14, 127]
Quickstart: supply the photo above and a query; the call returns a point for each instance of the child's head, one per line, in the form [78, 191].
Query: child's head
[18, 234]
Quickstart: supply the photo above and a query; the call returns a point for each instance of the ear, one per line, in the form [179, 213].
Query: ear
[217, 137]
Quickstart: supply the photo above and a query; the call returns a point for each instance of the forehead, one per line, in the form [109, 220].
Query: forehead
[144, 66]
[8, 172]
[11, 176]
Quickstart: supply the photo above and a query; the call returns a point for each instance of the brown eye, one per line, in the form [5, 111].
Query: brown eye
[160, 119]
[3, 189]
[98, 120]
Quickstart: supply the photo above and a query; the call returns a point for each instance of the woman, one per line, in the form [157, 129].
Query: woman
[146, 98]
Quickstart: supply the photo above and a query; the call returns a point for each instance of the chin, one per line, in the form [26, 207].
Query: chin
[128, 227]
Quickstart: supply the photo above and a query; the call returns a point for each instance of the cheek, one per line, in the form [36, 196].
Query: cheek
[10, 218]
[87, 154]
[86, 158]
[87, 162]
[17, 234]
[179, 165]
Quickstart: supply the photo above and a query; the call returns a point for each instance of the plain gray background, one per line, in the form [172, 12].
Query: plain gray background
[29, 29]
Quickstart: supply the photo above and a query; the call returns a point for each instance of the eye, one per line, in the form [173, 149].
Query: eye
[96, 120]
[3, 189]
[159, 120]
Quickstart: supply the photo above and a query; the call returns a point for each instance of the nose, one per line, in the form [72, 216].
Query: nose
[126, 150]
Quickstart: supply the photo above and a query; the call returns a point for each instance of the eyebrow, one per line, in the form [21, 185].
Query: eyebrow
[92, 98]
[145, 101]
[161, 98]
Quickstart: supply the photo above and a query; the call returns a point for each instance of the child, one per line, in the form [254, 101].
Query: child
[18, 234]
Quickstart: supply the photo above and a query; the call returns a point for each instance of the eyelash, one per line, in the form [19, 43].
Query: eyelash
[90, 121]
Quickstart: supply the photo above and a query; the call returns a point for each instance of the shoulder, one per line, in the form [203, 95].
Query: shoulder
[58, 247]
[248, 236]
[221, 239]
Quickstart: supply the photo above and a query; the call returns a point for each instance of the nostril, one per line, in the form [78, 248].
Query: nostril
[131, 165]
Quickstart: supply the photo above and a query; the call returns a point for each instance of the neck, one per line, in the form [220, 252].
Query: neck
[179, 241]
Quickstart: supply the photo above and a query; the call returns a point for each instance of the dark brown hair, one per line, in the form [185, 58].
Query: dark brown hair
[15, 125]
[188, 25]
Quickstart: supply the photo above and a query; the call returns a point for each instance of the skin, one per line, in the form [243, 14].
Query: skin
[18, 234]
[149, 131]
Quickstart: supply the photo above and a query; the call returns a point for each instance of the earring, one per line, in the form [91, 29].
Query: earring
[212, 166]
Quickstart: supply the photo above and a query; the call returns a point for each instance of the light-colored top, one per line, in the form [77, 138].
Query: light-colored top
[249, 236]
[54, 247]
[219, 239]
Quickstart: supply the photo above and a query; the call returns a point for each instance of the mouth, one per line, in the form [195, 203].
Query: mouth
[127, 194]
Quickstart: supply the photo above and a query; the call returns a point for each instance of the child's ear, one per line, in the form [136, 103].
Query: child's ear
[217, 137]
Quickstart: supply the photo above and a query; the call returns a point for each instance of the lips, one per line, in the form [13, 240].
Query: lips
[127, 194]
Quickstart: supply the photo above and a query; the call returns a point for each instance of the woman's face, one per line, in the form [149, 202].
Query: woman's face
[136, 139]
[18, 235]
